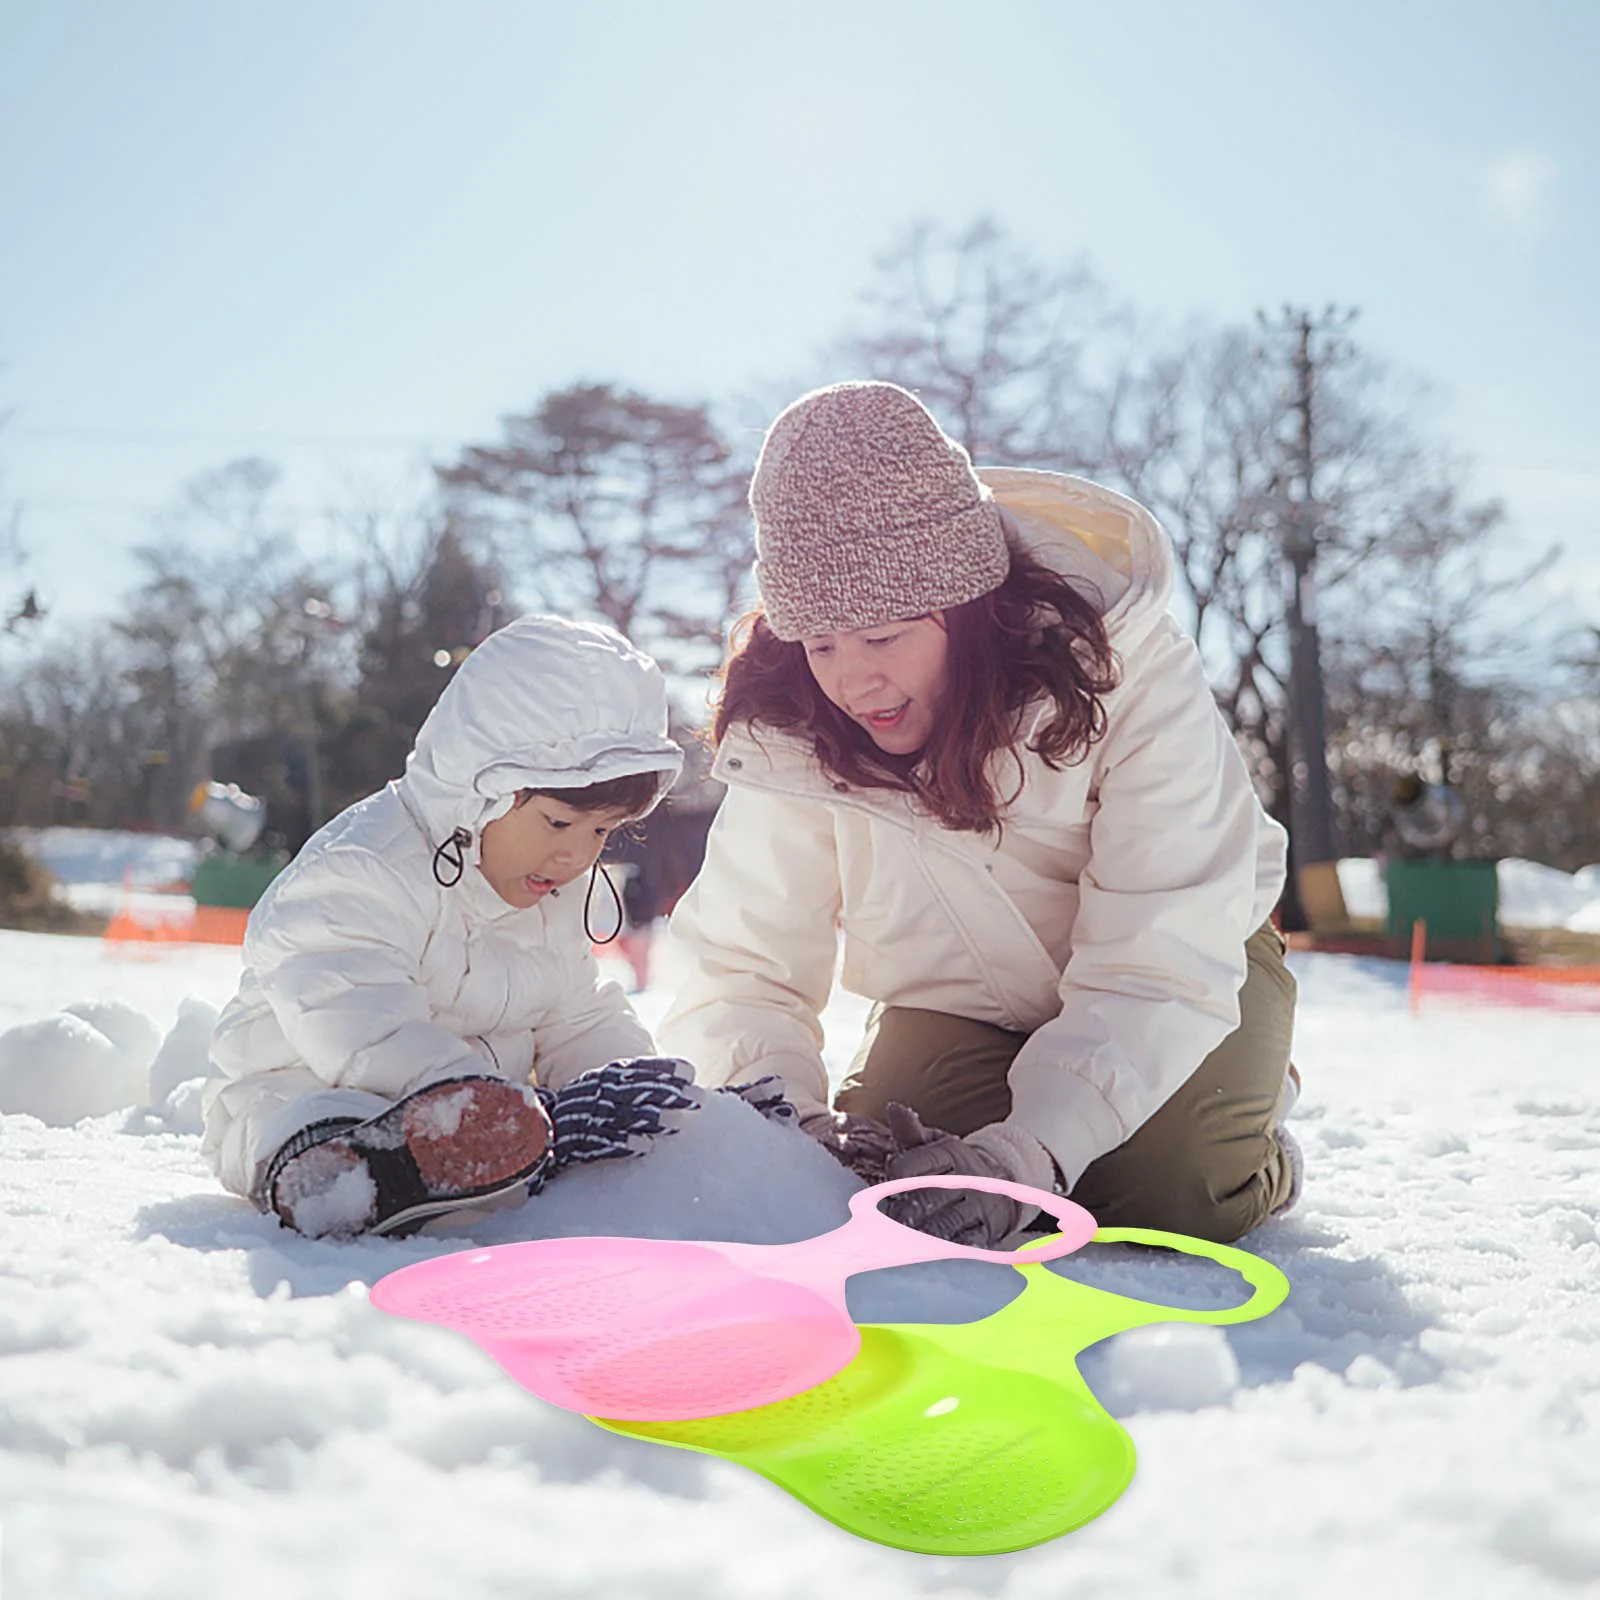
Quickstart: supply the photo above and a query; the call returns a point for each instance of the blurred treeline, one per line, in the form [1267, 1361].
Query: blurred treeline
[242, 656]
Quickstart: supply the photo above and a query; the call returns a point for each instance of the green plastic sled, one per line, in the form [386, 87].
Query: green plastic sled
[971, 1438]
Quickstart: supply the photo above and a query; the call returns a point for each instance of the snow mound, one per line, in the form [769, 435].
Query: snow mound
[184, 1053]
[100, 1055]
[1361, 884]
[729, 1173]
[1536, 896]
[724, 1173]
[182, 1110]
[1532, 895]
[62, 1069]
[127, 1027]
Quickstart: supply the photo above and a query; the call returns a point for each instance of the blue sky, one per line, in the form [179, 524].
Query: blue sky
[343, 235]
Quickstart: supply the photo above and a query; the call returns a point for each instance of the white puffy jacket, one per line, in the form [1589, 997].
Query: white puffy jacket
[1108, 923]
[365, 977]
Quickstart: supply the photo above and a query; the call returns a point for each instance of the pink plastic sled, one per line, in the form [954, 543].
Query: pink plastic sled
[660, 1330]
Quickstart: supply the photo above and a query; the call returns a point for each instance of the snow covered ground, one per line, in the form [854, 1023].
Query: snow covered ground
[196, 1404]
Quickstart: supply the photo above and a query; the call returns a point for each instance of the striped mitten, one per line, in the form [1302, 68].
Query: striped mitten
[766, 1095]
[613, 1111]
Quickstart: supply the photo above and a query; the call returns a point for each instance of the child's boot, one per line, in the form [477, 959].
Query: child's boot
[450, 1145]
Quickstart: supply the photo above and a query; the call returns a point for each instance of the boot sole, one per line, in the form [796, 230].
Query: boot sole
[450, 1145]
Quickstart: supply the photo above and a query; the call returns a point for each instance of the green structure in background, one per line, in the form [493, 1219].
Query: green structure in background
[1457, 901]
[235, 874]
[224, 879]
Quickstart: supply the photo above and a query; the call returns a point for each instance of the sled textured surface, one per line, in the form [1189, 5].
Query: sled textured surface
[662, 1329]
[965, 1439]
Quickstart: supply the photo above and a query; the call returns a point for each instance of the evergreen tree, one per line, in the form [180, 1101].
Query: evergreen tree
[424, 626]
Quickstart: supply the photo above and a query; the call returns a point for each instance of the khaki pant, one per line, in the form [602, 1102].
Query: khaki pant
[1207, 1163]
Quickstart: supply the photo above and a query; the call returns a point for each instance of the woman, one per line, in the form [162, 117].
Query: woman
[964, 733]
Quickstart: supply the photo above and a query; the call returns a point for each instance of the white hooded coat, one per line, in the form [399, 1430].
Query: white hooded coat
[365, 977]
[1108, 922]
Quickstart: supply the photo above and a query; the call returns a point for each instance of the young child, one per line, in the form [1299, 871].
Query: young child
[426, 960]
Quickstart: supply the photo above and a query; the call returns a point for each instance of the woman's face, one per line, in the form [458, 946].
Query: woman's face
[541, 844]
[891, 678]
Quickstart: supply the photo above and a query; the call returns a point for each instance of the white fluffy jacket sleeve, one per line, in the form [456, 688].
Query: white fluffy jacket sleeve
[1170, 893]
[757, 926]
[593, 1025]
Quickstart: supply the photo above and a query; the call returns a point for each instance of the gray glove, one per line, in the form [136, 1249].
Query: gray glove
[859, 1143]
[967, 1217]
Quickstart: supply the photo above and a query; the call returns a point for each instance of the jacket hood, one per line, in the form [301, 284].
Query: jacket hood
[541, 704]
[1104, 541]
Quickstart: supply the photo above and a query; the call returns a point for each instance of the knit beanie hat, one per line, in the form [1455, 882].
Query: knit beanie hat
[866, 512]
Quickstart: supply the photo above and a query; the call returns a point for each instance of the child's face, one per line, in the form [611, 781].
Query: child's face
[541, 844]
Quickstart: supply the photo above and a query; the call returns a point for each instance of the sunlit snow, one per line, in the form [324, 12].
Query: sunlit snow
[195, 1403]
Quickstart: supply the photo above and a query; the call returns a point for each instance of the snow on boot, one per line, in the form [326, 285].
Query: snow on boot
[449, 1145]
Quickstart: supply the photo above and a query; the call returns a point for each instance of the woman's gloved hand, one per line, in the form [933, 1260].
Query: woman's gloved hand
[967, 1217]
[612, 1111]
[859, 1143]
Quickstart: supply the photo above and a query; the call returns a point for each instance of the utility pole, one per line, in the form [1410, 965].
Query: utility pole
[1310, 795]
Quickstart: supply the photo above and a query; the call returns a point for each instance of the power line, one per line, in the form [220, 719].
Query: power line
[1576, 469]
[218, 440]
[51, 432]
[171, 508]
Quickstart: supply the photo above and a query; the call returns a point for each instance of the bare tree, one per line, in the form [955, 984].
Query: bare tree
[606, 502]
[72, 738]
[426, 603]
[1440, 665]
[1208, 430]
[996, 345]
[223, 638]
[1205, 434]
[25, 607]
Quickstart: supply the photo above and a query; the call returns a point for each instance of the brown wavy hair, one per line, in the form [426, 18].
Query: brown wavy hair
[1034, 637]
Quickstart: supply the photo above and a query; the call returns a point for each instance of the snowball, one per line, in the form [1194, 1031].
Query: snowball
[128, 1028]
[181, 1110]
[62, 1069]
[1167, 1369]
[1367, 1372]
[185, 1052]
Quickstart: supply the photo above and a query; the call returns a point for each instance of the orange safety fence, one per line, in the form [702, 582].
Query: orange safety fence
[1547, 988]
[134, 932]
